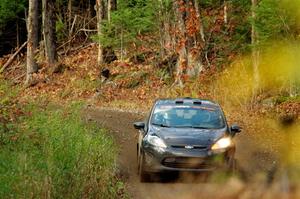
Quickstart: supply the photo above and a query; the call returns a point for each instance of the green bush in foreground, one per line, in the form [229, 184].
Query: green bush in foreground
[54, 154]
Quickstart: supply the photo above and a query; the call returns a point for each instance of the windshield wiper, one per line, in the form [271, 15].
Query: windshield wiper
[161, 125]
[199, 127]
[195, 127]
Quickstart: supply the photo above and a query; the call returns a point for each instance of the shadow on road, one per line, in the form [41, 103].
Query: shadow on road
[180, 177]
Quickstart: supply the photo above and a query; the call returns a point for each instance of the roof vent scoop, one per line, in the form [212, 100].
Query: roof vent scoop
[197, 102]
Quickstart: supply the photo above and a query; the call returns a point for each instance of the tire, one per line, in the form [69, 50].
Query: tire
[138, 159]
[231, 164]
[143, 175]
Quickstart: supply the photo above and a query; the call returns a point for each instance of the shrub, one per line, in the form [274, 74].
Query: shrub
[55, 154]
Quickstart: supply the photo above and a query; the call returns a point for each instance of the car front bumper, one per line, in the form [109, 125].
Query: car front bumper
[170, 159]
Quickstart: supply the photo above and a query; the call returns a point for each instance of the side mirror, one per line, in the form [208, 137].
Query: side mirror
[235, 129]
[139, 125]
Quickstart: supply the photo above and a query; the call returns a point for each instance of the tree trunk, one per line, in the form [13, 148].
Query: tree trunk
[18, 35]
[70, 16]
[182, 64]
[109, 10]
[32, 41]
[165, 23]
[194, 55]
[111, 6]
[225, 8]
[201, 28]
[99, 11]
[255, 51]
[114, 5]
[49, 32]
[162, 30]
[188, 21]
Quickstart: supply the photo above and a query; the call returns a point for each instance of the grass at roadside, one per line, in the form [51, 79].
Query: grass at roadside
[50, 152]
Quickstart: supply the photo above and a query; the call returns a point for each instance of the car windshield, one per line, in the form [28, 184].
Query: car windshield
[188, 117]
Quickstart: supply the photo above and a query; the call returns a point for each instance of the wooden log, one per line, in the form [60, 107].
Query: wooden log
[12, 58]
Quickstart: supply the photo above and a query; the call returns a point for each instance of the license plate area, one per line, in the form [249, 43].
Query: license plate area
[185, 162]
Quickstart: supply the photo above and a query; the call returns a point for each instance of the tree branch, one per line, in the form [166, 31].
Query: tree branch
[12, 58]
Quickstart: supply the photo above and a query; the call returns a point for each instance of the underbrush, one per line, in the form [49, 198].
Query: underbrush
[50, 152]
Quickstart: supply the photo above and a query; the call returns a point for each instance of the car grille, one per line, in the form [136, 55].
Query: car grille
[186, 162]
[199, 147]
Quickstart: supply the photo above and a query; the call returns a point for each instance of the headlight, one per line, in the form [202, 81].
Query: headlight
[155, 141]
[222, 143]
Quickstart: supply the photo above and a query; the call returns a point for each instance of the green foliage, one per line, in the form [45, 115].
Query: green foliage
[273, 21]
[229, 39]
[209, 3]
[60, 28]
[293, 6]
[136, 79]
[241, 36]
[7, 106]
[10, 9]
[282, 98]
[133, 18]
[218, 3]
[54, 153]
[165, 75]
[5, 97]
[244, 4]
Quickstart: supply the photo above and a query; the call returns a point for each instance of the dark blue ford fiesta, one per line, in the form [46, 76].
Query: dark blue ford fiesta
[184, 134]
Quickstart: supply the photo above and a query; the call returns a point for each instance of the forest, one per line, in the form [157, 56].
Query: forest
[61, 61]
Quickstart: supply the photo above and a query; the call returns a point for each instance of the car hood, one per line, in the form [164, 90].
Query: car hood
[188, 136]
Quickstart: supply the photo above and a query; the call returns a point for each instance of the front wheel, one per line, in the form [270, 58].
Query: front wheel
[231, 164]
[143, 175]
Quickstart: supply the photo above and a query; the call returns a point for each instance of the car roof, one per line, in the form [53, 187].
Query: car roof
[187, 101]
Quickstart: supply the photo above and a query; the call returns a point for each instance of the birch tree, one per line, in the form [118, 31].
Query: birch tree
[32, 41]
[99, 10]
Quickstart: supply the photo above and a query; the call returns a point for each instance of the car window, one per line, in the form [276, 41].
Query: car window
[188, 116]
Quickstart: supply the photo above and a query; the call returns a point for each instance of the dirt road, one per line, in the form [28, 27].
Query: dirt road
[120, 123]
